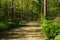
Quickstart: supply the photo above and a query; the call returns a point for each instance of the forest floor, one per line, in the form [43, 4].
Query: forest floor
[24, 33]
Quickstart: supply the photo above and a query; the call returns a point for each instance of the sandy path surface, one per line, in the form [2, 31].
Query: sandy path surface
[23, 33]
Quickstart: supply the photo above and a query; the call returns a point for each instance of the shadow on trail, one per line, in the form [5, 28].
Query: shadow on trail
[18, 32]
[11, 34]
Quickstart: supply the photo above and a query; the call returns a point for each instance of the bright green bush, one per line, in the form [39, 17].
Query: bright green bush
[57, 37]
[51, 28]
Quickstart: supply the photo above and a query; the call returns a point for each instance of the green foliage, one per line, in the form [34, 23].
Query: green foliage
[3, 26]
[57, 37]
[18, 12]
[52, 8]
[22, 22]
[51, 28]
[26, 10]
[22, 10]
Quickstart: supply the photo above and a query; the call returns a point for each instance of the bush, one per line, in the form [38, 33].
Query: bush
[3, 26]
[57, 37]
[51, 28]
[22, 22]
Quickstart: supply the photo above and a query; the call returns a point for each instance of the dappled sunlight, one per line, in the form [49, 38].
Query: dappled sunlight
[23, 33]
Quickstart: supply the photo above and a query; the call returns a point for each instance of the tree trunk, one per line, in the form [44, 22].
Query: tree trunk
[45, 8]
[12, 8]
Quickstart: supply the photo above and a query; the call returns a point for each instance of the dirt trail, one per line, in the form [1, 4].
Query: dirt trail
[24, 33]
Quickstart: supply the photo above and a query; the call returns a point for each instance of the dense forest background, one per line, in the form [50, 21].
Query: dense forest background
[27, 10]
[19, 9]
[18, 12]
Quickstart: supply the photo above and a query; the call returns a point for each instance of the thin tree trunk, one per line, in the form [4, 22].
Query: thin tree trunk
[45, 8]
[12, 8]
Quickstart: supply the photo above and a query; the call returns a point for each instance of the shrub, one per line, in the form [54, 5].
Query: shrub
[22, 22]
[51, 28]
[57, 37]
[3, 26]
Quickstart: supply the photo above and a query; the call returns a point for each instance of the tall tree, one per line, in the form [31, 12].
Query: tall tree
[12, 8]
[45, 8]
